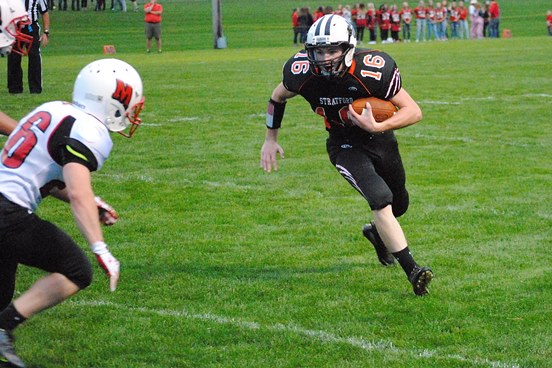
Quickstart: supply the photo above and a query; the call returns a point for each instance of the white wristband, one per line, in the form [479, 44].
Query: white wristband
[99, 248]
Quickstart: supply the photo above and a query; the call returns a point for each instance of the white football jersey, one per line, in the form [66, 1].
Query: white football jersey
[53, 134]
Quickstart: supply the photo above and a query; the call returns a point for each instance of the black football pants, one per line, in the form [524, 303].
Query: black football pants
[29, 240]
[34, 71]
[373, 166]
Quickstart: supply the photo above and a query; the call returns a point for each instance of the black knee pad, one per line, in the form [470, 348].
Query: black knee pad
[400, 203]
[82, 277]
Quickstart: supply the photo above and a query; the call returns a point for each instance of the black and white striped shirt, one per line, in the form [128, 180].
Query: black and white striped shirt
[34, 8]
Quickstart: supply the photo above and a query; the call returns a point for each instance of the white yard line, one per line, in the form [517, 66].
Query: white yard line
[319, 335]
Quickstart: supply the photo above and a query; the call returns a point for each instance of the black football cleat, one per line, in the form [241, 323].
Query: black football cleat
[8, 358]
[420, 277]
[371, 233]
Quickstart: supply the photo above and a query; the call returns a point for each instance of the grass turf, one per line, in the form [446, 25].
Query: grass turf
[225, 266]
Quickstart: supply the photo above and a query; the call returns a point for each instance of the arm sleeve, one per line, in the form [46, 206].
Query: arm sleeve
[64, 149]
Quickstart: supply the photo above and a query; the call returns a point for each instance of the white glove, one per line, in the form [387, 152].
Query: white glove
[108, 215]
[109, 263]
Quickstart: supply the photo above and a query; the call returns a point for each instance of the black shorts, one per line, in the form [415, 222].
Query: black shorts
[372, 165]
[27, 239]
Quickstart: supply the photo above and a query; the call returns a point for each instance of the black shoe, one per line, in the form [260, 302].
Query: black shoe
[420, 277]
[371, 233]
[8, 358]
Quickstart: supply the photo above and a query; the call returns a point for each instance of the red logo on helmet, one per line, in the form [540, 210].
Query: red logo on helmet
[123, 93]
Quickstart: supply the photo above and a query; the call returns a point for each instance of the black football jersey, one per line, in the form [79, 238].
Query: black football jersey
[372, 73]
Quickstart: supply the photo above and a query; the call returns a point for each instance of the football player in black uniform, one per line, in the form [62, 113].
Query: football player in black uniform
[330, 74]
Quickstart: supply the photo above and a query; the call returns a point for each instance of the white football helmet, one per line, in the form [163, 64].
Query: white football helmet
[13, 17]
[331, 31]
[110, 90]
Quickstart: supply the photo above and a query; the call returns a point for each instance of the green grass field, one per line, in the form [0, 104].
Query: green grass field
[226, 266]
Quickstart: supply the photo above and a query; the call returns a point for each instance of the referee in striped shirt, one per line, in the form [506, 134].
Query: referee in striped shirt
[41, 36]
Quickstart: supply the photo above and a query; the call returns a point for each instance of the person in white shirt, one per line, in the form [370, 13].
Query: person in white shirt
[53, 151]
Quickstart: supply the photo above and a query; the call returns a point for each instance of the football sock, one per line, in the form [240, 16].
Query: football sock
[404, 257]
[10, 318]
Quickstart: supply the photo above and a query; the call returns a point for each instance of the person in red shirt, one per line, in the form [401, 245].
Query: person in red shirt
[494, 13]
[295, 25]
[360, 22]
[430, 15]
[454, 20]
[384, 21]
[318, 13]
[153, 10]
[463, 20]
[354, 12]
[371, 20]
[421, 21]
[395, 18]
[549, 22]
[406, 17]
[440, 17]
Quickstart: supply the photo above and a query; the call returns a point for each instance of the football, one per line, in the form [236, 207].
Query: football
[381, 109]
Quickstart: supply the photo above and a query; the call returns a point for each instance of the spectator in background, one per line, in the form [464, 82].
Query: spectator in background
[406, 18]
[100, 5]
[440, 17]
[485, 15]
[134, 5]
[354, 11]
[305, 21]
[153, 11]
[395, 18]
[384, 23]
[463, 20]
[476, 19]
[36, 9]
[421, 21]
[430, 14]
[62, 5]
[549, 22]
[494, 23]
[346, 13]
[454, 20]
[122, 5]
[360, 22]
[445, 5]
[295, 25]
[318, 13]
[371, 22]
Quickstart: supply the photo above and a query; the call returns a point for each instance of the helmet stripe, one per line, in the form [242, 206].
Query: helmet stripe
[328, 24]
[317, 32]
[328, 20]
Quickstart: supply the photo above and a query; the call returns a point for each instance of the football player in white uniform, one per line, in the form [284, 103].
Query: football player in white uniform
[13, 18]
[330, 74]
[53, 151]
